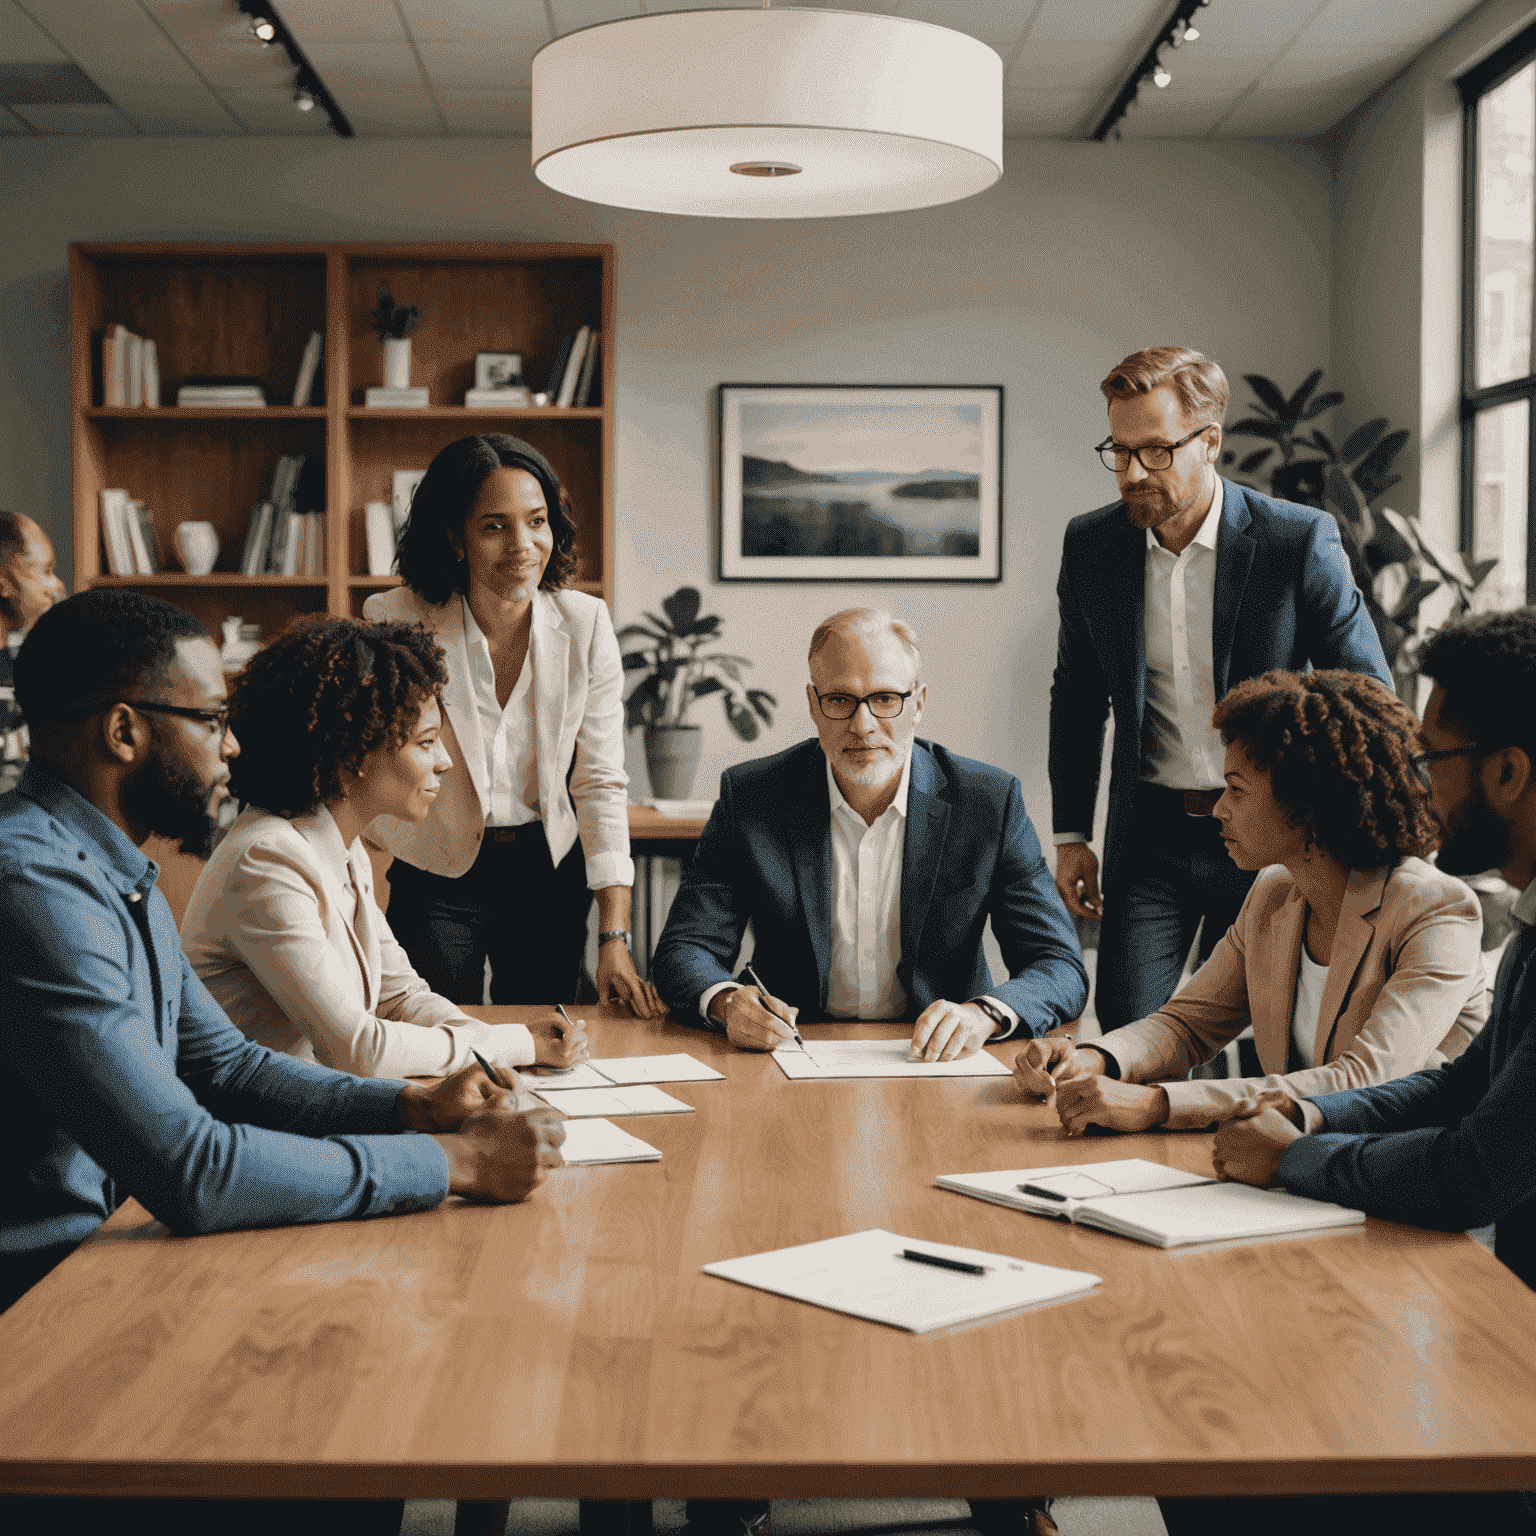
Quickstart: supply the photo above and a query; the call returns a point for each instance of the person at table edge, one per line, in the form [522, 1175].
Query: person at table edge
[868, 862]
[1185, 586]
[126, 1079]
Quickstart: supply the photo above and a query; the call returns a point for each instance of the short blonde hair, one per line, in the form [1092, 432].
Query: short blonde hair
[1198, 381]
[864, 621]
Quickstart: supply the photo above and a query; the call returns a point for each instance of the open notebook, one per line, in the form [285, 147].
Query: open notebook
[1166, 1207]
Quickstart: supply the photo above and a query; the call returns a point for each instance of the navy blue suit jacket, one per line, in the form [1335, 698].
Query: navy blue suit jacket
[1451, 1147]
[1284, 598]
[969, 853]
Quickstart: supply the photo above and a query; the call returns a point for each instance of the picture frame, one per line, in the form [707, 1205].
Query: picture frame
[498, 370]
[860, 483]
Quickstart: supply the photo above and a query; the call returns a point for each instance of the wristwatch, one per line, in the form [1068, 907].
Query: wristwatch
[993, 1012]
[614, 933]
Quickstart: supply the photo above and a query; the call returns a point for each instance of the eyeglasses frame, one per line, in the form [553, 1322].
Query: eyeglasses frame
[216, 717]
[860, 702]
[1169, 448]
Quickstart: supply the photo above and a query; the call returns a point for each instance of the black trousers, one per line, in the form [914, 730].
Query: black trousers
[1392, 1514]
[512, 906]
[1173, 871]
[201, 1517]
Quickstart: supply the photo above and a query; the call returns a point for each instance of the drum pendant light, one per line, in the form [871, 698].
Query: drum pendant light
[768, 114]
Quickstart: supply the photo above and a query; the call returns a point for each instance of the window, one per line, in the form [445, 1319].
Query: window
[1498, 369]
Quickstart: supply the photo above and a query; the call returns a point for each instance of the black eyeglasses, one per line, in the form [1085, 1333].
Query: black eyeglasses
[1151, 456]
[1422, 760]
[217, 718]
[884, 705]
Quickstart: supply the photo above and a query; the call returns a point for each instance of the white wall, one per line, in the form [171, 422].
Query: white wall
[1082, 253]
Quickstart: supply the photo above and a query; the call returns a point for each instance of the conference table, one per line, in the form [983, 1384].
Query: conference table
[570, 1346]
[653, 836]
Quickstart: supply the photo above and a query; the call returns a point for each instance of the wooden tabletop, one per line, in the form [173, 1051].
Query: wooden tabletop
[570, 1346]
[648, 825]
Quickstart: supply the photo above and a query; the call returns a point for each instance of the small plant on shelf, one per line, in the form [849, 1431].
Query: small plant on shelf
[393, 322]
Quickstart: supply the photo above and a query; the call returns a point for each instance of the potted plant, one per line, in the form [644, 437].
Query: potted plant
[394, 324]
[674, 675]
[1394, 564]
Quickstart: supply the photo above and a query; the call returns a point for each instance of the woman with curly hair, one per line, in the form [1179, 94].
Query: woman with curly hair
[1353, 959]
[505, 865]
[341, 723]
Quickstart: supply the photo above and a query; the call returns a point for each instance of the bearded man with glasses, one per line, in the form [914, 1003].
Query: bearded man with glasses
[1185, 586]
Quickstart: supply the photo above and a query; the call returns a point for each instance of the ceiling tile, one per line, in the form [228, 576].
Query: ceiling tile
[93, 122]
[1047, 114]
[998, 26]
[491, 65]
[264, 111]
[22, 41]
[1050, 63]
[314, 21]
[477, 21]
[378, 85]
[1111, 25]
[388, 63]
[573, 15]
[131, 59]
[217, 40]
[1410, 28]
[1259, 25]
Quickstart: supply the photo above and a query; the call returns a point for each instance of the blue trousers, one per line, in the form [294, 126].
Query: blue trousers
[1173, 871]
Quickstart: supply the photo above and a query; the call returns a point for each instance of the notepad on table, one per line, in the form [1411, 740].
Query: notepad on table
[677, 1068]
[583, 1076]
[1167, 1207]
[601, 1141]
[877, 1058]
[865, 1275]
[636, 1099]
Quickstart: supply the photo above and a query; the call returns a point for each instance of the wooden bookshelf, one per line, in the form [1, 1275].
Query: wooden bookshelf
[247, 311]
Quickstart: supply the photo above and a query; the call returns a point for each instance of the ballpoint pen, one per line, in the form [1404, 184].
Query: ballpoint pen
[570, 1024]
[757, 981]
[487, 1068]
[939, 1261]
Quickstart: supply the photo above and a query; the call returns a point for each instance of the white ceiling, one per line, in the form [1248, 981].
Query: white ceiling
[190, 68]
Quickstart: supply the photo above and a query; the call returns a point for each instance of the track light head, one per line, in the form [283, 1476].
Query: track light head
[263, 31]
[1160, 77]
[303, 100]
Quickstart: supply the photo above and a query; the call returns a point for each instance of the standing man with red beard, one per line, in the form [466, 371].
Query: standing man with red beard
[1185, 586]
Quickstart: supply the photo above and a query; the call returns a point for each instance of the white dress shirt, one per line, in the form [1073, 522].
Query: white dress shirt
[509, 735]
[1311, 979]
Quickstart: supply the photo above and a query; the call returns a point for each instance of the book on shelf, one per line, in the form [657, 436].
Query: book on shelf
[505, 399]
[308, 367]
[379, 527]
[220, 392]
[135, 372]
[151, 375]
[588, 372]
[379, 397]
[573, 367]
[114, 528]
[258, 540]
[557, 373]
[141, 534]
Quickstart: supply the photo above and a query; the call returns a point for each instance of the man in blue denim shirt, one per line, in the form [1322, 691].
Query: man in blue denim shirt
[128, 1079]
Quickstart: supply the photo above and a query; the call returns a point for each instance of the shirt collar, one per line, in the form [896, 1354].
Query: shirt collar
[898, 804]
[318, 828]
[129, 868]
[1205, 536]
[1524, 909]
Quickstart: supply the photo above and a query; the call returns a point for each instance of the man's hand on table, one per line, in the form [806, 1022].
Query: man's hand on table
[753, 1021]
[1074, 1076]
[502, 1154]
[1250, 1144]
[945, 1030]
[557, 1044]
[1044, 1063]
[461, 1094]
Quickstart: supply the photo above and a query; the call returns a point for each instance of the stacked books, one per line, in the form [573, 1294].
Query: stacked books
[508, 397]
[229, 394]
[382, 398]
[130, 369]
[128, 533]
[281, 540]
[571, 379]
[308, 368]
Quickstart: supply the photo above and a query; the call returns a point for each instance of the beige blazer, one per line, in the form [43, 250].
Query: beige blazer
[579, 719]
[1405, 990]
[302, 967]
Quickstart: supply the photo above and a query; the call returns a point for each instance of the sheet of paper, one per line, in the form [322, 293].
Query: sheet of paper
[876, 1058]
[865, 1275]
[584, 1076]
[1074, 1181]
[601, 1141]
[638, 1099]
[651, 1069]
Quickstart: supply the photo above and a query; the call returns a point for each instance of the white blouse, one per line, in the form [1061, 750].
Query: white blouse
[509, 736]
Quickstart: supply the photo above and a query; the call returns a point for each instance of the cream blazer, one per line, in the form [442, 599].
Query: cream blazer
[579, 719]
[300, 967]
[1405, 990]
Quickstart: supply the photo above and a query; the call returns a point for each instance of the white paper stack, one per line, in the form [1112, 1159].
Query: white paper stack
[825, 1059]
[639, 1099]
[601, 1141]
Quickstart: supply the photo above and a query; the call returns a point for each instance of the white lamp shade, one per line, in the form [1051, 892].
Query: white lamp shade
[878, 113]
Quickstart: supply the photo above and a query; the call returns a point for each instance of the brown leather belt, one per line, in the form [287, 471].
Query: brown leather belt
[506, 834]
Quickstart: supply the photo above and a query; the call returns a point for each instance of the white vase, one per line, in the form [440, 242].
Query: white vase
[198, 546]
[397, 362]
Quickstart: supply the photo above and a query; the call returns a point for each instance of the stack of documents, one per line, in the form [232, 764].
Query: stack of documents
[609, 1070]
[641, 1099]
[877, 1058]
[1166, 1207]
[601, 1141]
[866, 1275]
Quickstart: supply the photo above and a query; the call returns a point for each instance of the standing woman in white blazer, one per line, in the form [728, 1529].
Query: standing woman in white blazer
[506, 864]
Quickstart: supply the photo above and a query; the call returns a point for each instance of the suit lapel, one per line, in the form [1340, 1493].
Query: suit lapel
[458, 697]
[1272, 1010]
[1234, 559]
[808, 825]
[922, 849]
[1351, 939]
[549, 651]
[319, 830]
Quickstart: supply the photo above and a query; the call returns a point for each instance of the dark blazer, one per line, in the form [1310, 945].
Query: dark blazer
[1451, 1147]
[970, 852]
[1284, 598]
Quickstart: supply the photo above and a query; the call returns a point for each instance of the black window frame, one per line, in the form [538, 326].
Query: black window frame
[1476, 83]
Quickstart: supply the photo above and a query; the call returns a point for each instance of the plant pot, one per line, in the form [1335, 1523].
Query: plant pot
[397, 362]
[672, 759]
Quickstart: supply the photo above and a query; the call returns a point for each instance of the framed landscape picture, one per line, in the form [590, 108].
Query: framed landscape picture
[861, 482]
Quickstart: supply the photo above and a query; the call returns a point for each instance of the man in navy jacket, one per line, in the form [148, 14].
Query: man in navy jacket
[868, 862]
[1168, 597]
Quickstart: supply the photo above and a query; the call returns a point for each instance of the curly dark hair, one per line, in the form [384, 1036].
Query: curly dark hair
[426, 560]
[1337, 746]
[1487, 666]
[310, 707]
[98, 647]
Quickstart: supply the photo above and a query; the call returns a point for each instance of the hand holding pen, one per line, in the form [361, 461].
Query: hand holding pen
[773, 1005]
[564, 1047]
[1050, 1060]
[754, 1019]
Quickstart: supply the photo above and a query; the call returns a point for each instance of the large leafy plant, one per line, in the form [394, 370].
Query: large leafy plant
[1395, 566]
[676, 673]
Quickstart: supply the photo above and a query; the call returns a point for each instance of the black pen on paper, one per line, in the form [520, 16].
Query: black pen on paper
[917, 1256]
[757, 981]
[487, 1068]
[1042, 1192]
